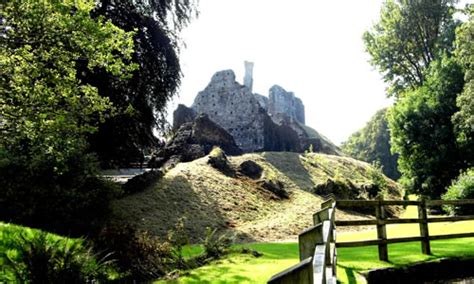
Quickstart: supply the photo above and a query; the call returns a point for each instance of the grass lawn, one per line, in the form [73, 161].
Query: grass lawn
[238, 268]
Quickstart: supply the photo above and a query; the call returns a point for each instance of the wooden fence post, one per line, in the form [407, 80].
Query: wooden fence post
[424, 233]
[308, 239]
[381, 230]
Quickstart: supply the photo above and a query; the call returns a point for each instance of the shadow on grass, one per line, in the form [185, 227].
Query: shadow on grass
[290, 165]
[245, 268]
[351, 277]
[353, 261]
[158, 209]
[216, 274]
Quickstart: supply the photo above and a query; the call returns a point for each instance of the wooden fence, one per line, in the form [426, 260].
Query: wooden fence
[317, 245]
[381, 221]
[317, 250]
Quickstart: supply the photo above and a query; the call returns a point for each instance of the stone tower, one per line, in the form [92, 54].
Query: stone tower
[248, 78]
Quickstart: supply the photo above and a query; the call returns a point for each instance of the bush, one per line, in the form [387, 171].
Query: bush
[461, 188]
[67, 200]
[31, 256]
[139, 255]
[215, 245]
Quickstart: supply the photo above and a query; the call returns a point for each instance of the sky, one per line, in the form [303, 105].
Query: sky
[313, 48]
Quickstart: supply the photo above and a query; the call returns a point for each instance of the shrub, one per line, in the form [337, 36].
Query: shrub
[67, 200]
[40, 257]
[139, 255]
[378, 179]
[461, 188]
[216, 245]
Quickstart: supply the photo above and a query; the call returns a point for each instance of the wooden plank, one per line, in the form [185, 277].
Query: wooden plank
[356, 222]
[319, 264]
[402, 221]
[299, 273]
[355, 203]
[308, 239]
[320, 216]
[381, 232]
[376, 242]
[329, 196]
[449, 202]
[452, 236]
[366, 203]
[424, 232]
[327, 204]
[450, 219]
[365, 222]
[357, 243]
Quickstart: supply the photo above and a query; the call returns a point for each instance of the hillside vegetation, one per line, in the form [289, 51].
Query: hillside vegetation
[372, 144]
[205, 197]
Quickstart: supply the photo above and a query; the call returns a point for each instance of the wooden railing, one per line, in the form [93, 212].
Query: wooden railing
[317, 245]
[317, 250]
[381, 221]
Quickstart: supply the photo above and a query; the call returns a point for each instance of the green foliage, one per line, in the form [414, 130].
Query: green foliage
[461, 188]
[464, 119]
[69, 202]
[139, 255]
[407, 38]
[32, 256]
[378, 179]
[423, 133]
[216, 245]
[372, 144]
[46, 108]
[123, 138]
[178, 239]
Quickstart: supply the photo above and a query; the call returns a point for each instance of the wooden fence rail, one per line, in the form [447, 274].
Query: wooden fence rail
[381, 221]
[317, 250]
[317, 244]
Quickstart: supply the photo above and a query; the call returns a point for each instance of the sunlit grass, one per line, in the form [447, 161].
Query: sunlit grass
[238, 268]
[245, 268]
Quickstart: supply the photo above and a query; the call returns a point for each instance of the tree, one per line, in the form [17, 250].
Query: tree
[372, 144]
[464, 119]
[125, 137]
[423, 133]
[47, 109]
[408, 37]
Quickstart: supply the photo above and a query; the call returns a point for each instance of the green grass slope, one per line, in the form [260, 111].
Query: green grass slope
[205, 197]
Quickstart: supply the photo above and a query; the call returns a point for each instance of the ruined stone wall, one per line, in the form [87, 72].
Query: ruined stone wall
[234, 108]
[283, 102]
[262, 100]
[248, 78]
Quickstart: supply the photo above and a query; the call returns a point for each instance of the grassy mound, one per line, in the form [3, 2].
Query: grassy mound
[206, 197]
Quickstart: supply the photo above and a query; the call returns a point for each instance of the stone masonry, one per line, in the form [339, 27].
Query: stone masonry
[234, 108]
[256, 122]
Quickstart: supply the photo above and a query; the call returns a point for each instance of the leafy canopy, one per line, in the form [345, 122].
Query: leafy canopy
[408, 37]
[46, 109]
[464, 53]
[423, 133]
[372, 144]
[125, 137]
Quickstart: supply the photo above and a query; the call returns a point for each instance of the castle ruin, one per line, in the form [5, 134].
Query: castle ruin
[256, 122]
